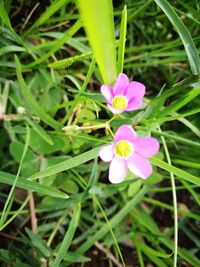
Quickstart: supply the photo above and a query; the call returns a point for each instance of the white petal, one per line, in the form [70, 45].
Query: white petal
[117, 170]
[139, 166]
[106, 91]
[106, 153]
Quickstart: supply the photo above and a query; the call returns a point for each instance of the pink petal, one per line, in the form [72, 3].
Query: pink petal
[121, 84]
[135, 90]
[146, 146]
[117, 170]
[106, 91]
[125, 132]
[139, 166]
[106, 153]
[114, 110]
[134, 104]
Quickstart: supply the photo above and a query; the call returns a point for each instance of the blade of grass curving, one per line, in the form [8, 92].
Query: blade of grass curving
[7, 178]
[53, 8]
[110, 229]
[122, 41]
[67, 164]
[174, 136]
[30, 100]
[99, 25]
[27, 141]
[5, 18]
[181, 102]
[7, 222]
[114, 221]
[174, 200]
[190, 125]
[59, 43]
[11, 48]
[190, 48]
[68, 236]
[178, 172]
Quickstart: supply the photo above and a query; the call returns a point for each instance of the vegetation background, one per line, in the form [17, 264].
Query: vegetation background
[57, 206]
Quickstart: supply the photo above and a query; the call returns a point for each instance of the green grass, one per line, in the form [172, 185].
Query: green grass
[57, 205]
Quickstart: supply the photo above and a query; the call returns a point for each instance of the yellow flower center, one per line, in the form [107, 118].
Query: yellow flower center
[119, 102]
[124, 149]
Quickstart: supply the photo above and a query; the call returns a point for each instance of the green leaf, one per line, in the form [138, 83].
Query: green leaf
[134, 187]
[30, 100]
[178, 172]
[7, 178]
[53, 8]
[122, 41]
[151, 251]
[113, 222]
[190, 48]
[99, 25]
[57, 45]
[68, 236]
[40, 131]
[38, 242]
[75, 257]
[67, 164]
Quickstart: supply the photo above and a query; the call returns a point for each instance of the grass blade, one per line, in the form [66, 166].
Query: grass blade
[98, 15]
[113, 222]
[178, 172]
[68, 236]
[190, 48]
[54, 7]
[67, 164]
[7, 178]
[14, 182]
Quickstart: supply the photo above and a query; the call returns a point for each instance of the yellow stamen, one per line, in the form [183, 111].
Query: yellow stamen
[119, 102]
[124, 149]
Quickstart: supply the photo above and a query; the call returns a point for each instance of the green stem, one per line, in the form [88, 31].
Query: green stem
[174, 200]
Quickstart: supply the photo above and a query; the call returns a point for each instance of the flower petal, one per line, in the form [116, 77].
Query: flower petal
[106, 91]
[114, 110]
[125, 132]
[117, 170]
[134, 104]
[135, 90]
[139, 166]
[121, 84]
[106, 153]
[146, 146]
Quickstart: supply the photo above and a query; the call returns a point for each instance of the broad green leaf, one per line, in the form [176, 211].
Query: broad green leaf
[190, 48]
[7, 178]
[67, 164]
[99, 25]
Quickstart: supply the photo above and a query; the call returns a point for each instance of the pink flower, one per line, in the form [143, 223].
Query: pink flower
[129, 152]
[124, 96]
